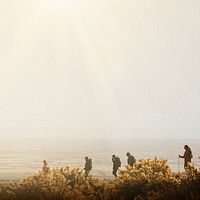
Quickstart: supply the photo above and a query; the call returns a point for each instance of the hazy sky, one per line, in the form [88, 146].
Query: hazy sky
[100, 68]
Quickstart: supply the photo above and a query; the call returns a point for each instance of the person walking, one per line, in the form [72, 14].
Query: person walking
[45, 168]
[131, 159]
[187, 156]
[88, 166]
[116, 164]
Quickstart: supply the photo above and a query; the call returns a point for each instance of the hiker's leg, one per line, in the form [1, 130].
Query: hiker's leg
[115, 172]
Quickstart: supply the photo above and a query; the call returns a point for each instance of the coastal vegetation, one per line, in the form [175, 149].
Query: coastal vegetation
[149, 179]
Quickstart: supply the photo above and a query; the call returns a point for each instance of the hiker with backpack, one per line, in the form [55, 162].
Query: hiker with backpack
[187, 156]
[88, 166]
[116, 164]
[131, 159]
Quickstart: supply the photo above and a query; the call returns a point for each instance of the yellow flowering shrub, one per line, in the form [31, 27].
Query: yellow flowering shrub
[148, 179]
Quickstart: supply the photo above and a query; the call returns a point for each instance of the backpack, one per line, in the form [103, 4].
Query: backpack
[90, 164]
[118, 161]
[191, 156]
[132, 160]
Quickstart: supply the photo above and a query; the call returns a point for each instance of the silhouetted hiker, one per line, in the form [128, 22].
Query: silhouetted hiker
[45, 168]
[187, 155]
[116, 164]
[131, 160]
[88, 166]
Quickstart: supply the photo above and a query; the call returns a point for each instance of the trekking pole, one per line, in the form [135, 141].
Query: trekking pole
[178, 164]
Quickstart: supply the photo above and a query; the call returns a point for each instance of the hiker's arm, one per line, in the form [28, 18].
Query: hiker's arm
[181, 156]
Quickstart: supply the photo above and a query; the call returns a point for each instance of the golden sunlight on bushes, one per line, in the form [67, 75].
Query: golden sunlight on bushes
[149, 179]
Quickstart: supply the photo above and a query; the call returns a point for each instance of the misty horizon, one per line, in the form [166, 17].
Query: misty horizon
[86, 69]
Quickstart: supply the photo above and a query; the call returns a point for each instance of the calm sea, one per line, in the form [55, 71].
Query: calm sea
[20, 157]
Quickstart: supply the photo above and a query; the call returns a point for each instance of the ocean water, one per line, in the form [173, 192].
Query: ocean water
[21, 157]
